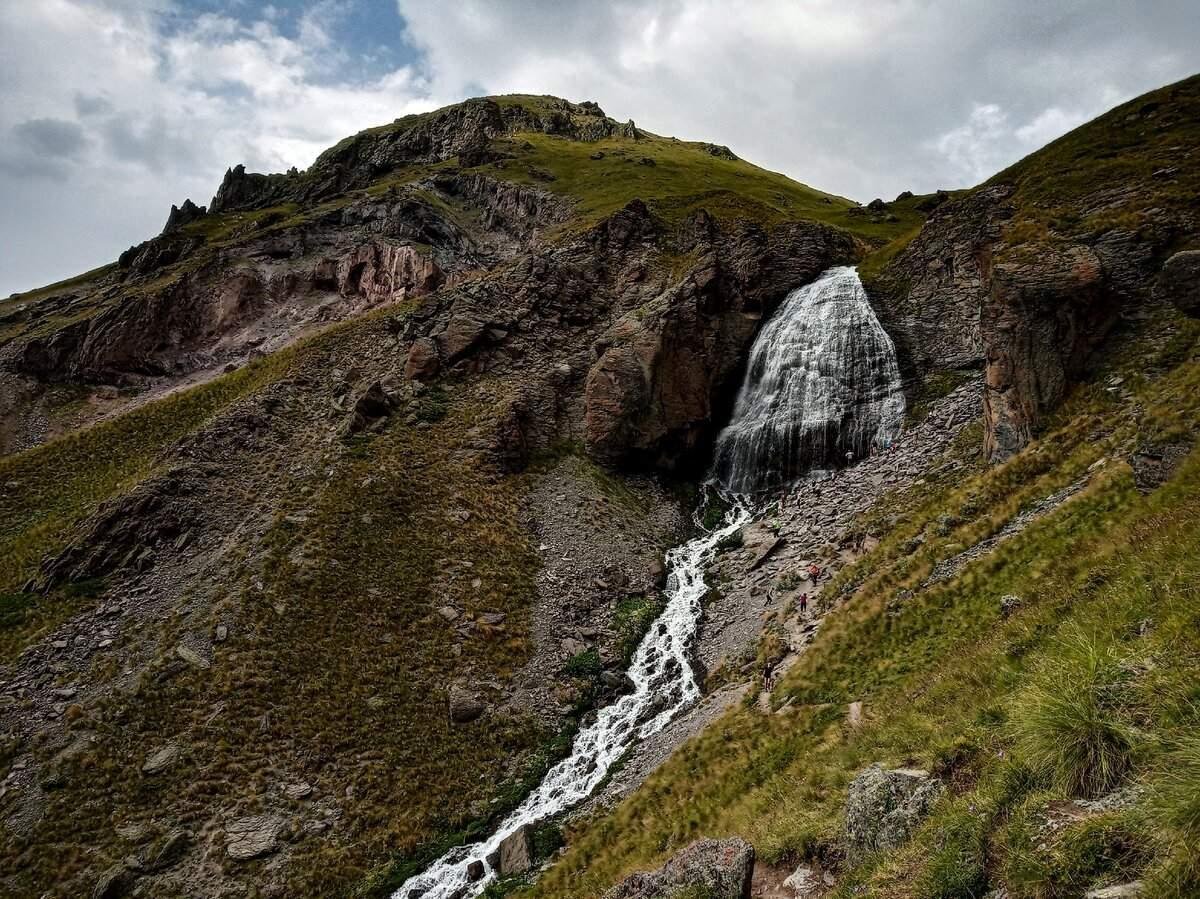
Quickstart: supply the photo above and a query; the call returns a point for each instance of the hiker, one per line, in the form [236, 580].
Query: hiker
[814, 572]
[849, 456]
[803, 603]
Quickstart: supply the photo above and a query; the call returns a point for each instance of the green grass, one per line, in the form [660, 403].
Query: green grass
[682, 179]
[1072, 723]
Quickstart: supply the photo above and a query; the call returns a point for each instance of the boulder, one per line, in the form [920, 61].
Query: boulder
[884, 807]
[1179, 282]
[475, 870]
[114, 883]
[516, 853]
[465, 706]
[716, 869]
[423, 360]
[1009, 603]
[251, 837]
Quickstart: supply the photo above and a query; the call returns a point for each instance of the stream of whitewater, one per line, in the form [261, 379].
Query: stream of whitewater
[822, 359]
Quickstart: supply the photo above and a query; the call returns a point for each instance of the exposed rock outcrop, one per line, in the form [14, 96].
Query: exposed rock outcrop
[884, 807]
[183, 215]
[666, 371]
[716, 869]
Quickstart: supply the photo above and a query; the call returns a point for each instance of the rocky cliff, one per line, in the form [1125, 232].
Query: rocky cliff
[1027, 274]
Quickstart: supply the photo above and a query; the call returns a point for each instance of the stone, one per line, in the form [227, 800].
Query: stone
[854, 715]
[423, 360]
[802, 881]
[161, 759]
[193, 657]
[252, 837]
[617, 680]
[716, 869]
[1009, 603]
[300, 790]
[449, 613]
[492, 619]
[1119, 891]
[167, 851]
[884, 807]
[516, 853]
[114, 883]
[764, 551]
[465, 706]
[475, 870]
[1179, 282]
[374, 403]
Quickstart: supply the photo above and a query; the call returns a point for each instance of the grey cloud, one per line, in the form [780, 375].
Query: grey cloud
[149, 142]
[56, 138]
[43, 148]
[861, 114]
[91, 104]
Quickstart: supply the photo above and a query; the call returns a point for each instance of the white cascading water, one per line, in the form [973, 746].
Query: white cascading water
[822, 381]
[839, 388]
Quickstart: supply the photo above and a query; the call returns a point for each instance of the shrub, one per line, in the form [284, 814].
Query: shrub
[1070, 724]
[585, 664]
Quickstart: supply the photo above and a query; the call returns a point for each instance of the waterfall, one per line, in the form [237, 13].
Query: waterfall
[822, 382]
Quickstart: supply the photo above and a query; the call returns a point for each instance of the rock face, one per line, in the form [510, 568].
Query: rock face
[884, 808]
[963, 294]
[463, 130]
[183, 215]
[666, 371]
[715, 869]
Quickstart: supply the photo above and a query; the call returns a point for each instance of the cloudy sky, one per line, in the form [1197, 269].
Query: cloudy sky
[111, 110]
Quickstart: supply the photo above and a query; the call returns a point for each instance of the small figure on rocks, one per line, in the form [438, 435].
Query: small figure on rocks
[803, 603]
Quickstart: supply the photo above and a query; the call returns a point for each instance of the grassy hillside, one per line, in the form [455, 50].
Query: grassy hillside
[1126, 167]
[1089, 687]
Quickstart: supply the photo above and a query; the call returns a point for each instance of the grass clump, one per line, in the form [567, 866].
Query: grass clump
[1072, 724]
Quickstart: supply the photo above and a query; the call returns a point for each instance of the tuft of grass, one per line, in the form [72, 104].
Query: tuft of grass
[1072, 723]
